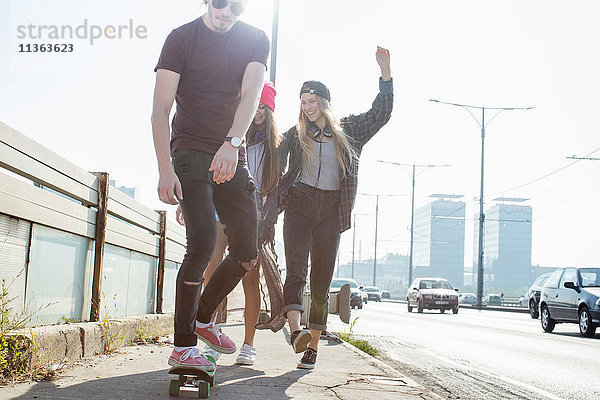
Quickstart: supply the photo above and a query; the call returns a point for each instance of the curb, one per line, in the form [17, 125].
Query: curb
[72, 342]
[390, 373]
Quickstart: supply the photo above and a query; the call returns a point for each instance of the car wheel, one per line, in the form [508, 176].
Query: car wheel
[586, 326]
[455, 310]
[547, 322]
[360, 306]
[409, 307]
[533, 311]
[419, 307]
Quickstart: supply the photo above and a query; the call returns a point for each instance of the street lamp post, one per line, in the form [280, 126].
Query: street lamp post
[375, 247]
[482, 124]
[412, 208]
[354, 241]
[274, 34]
[376, 221]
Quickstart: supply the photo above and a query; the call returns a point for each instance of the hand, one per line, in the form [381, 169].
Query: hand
[169, 187]
[179, 216]
[383, 59]
[224, 163]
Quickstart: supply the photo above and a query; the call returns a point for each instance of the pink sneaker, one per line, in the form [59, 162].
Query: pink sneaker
[190, 358]
[215, 339]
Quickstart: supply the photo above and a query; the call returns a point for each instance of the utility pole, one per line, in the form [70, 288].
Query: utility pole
[354, 241]
[375, 246]
[482, 125]
[274, 34]
[376, 222]
[412, 208]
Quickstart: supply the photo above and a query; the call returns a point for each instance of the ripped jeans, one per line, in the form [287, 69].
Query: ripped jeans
[235, 202]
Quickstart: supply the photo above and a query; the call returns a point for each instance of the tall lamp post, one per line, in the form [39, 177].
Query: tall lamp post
[482, 125]
[354, 240]
[412, 208]
[274, 35]
[376, 221]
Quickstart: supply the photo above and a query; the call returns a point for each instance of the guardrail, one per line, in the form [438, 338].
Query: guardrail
[65, 198]
[510, 308]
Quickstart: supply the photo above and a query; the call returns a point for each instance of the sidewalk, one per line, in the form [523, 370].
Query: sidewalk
[140, 372]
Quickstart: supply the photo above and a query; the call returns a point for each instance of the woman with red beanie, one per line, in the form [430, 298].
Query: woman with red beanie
[266, 157]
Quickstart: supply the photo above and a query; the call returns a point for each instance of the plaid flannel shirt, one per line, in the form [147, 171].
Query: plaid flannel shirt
[359, 129]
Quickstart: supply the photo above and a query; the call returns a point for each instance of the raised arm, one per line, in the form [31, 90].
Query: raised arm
[364, 126]
[169, 187]
[225, 160]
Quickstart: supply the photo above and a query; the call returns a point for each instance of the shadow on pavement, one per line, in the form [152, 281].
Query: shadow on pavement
[232, 381]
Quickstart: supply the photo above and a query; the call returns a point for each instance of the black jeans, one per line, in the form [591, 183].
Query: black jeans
[235, 203]
[311, 226]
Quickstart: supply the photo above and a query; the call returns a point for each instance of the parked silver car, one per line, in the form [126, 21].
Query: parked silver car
[572, 295]
[467, 298]
[533, 295]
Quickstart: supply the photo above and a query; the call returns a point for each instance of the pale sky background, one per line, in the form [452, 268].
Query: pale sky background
[93, 106]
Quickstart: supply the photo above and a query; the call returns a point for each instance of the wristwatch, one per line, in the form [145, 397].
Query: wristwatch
[234, 141]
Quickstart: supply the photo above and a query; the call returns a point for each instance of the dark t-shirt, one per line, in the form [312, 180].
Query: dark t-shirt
[211, 66]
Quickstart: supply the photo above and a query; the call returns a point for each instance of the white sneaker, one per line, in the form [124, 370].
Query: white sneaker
[247, 355]
[210, 352]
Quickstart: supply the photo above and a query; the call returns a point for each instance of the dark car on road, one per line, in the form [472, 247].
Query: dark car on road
[356, 294]
[533, 295]
[373, 293]
[571, 295]
[432, 293]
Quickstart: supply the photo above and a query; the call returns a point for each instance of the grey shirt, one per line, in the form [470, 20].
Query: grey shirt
[255, 165]
[329, 177]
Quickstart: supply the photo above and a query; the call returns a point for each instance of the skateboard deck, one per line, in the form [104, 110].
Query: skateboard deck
[192, 378]
[340, 303]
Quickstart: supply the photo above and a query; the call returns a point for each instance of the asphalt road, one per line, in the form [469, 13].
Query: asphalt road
[481, 354]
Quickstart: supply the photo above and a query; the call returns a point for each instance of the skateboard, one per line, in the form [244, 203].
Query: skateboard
[192, 378]
[340, 303]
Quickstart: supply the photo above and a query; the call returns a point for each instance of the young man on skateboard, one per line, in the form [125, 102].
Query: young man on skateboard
[213, 67]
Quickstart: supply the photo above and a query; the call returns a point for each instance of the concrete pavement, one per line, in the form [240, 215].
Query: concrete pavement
[140, 372]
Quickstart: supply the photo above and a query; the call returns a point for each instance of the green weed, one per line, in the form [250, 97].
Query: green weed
[360, 344]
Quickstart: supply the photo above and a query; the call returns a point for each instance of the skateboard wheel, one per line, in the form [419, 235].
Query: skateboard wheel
[174, 385]
[204, 390]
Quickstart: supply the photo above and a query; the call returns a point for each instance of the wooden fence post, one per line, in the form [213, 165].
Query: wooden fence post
[162, 251]
[100, 237]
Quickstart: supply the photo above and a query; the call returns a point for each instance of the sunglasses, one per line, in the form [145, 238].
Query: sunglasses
[237, 8]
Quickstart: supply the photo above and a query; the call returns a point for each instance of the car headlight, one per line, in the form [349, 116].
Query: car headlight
[598, 303]
[428, 296]
[453, 297]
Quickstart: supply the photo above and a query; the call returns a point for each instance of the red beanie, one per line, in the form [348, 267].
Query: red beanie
[267, 97]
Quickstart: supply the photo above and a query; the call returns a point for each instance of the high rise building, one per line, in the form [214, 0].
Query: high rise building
[507, 245]
[439, 239]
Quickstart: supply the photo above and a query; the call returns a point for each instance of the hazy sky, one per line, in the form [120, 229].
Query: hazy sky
[92, 106]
